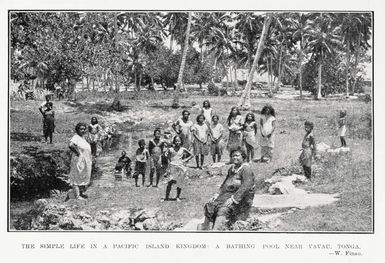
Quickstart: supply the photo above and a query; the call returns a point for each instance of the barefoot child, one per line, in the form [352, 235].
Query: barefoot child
[308, 149]
[141, 157]
[94, 131]
[200, 132]
[216, 133]
[249, 135]
[342, 127]
[155, 147]
[124, 164]
[234, 122]
[267, 126]
[178, 156]
[48, 121]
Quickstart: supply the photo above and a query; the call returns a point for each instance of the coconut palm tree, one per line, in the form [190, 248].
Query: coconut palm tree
[323, 40]
[176, 23]
[245, 99]
[354, 30]
[301, 28]
[249, 24]
[175, 103]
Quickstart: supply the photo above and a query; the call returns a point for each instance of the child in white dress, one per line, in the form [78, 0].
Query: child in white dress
[249, 135]
[267, 127]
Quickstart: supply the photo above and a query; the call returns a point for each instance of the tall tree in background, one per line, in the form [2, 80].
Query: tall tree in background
[249, 25]
[300, 28]
[323, 41]
[175, 103]
[245, 99]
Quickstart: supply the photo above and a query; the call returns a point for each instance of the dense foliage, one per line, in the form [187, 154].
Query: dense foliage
[111, 49]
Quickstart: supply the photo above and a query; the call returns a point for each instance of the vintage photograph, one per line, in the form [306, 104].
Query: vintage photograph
[186, 121]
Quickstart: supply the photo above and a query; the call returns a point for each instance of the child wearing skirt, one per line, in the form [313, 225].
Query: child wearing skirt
[200, 131]
[308, 149]
[249, 135]
[178, 156]
[267, 126]
[216, 134]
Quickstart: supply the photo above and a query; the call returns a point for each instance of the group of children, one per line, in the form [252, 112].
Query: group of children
[164, 157]
[184, 140]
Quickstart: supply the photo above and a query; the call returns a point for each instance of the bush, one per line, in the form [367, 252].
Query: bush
[215, 90]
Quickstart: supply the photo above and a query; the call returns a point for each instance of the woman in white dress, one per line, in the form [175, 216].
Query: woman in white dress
[81, 161]
[207, 111]
[267, 126]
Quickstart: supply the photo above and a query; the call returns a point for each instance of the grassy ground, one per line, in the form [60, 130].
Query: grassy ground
[350, 174]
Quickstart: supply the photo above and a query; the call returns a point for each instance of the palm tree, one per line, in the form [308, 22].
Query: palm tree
[354, 30]
[245, 99]
[283, 30]
[301, 28]
[323, 39]
[176, 23]
[249, 25]
[175, 103]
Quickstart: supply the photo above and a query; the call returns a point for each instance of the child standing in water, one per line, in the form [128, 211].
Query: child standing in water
[200, 132]
[141, 157]
[342, 127]
[207, 111]
[155, 147]
[267, 126]
[178, 156]
[308, 149]
[249, 135]
[124, 164]
[216, 133]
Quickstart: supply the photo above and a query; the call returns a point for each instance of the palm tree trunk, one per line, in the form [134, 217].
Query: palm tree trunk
[231, 75]
[140, 79]
[300, 80]
[279, 68]
[356, 54]
[271, 75]
[171, 39]
[116, 52]
[175, 103]
[319, 79]
[347, 69]
[245, 98]
[268, 75]
[235, 76]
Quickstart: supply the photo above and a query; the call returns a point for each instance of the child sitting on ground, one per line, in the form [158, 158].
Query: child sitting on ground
[124, 164]
[308, 149]
[342, 127]
[141, 157]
